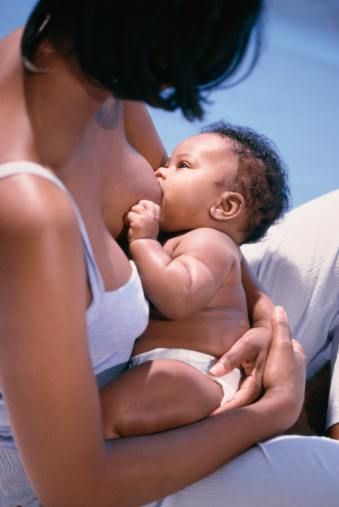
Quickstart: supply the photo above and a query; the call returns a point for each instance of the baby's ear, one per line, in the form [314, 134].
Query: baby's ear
[228, 206]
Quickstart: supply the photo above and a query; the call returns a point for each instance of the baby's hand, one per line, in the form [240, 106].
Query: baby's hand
[143, 221]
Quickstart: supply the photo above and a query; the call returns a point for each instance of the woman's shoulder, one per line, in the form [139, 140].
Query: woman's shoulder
[29, 202]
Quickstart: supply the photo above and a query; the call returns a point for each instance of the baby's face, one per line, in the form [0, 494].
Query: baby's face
[195, 176]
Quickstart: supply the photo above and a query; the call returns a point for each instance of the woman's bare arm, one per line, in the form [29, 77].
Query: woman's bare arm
[49, 385]
[142, 134]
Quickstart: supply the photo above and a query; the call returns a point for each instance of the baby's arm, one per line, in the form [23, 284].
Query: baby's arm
[182, 277]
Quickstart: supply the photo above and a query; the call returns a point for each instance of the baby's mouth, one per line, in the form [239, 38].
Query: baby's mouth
[161, 181]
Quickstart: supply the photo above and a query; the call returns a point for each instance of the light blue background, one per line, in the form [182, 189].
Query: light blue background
[292, 96]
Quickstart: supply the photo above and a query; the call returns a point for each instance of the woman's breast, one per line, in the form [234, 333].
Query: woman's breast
[125, 175]
[130, 178]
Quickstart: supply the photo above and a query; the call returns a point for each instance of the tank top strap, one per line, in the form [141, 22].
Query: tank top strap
[25, 167]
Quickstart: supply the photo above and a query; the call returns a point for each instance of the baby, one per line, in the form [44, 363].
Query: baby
[221, 188]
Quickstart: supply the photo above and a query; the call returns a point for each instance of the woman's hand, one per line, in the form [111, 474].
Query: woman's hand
[249, 353]
[284, 375]
[285, 370]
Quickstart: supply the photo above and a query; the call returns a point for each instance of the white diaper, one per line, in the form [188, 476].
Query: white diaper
[202, 362]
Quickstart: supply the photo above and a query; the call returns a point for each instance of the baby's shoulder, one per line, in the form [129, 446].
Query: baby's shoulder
[209, 236]
[204, 239]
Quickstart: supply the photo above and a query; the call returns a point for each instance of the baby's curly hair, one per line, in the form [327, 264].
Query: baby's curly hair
[261, 177]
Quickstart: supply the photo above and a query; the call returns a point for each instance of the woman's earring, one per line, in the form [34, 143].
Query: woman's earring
[28, 65]
[44, 24]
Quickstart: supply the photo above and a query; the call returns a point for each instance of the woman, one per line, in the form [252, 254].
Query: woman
[71, 305]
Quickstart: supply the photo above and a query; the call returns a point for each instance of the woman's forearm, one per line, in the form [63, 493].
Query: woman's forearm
[142, 134]
[146, 468]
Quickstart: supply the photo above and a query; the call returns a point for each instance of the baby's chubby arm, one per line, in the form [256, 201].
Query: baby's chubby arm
[180, 279]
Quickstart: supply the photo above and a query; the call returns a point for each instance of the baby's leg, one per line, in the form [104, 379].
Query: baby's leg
[156, 396]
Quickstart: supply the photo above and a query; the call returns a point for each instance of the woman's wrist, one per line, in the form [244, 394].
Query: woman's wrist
[271, 415]
[277, 410]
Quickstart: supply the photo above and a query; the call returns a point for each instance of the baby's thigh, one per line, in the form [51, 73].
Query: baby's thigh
[155, 396]
[282, 472]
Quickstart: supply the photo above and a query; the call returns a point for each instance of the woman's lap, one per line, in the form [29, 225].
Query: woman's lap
[284, 471]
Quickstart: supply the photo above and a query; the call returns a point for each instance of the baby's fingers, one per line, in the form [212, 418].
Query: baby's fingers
[139, 209]
[146, 204]
[151, 207]
[130, 217]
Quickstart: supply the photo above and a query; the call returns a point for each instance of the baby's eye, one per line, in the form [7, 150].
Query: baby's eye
[183, 165]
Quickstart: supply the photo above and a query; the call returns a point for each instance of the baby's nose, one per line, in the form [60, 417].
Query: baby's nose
[161, 172]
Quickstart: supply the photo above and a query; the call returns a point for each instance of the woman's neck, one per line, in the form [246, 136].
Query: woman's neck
[60, 102]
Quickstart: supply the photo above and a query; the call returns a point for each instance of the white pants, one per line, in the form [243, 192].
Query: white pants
[298, 266]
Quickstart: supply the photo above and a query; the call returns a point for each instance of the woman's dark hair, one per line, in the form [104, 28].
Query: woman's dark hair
[167, 53]
[261, 177]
